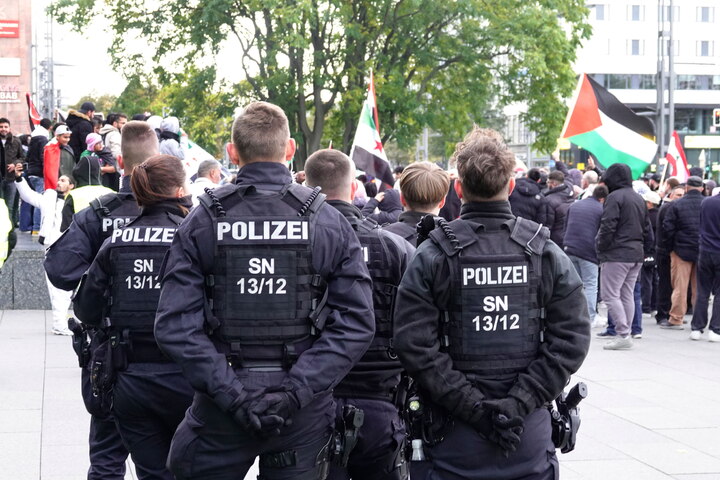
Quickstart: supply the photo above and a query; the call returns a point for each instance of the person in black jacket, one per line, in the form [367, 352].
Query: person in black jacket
[119, 294]
[682, 239]
[662, 259]
[423, 186]
[526, 200]
[559, 197]
[620, 245]
[80, 123]
[388, 202]
[469, 335]
[583, 223]
[649, 276]
[371, 385]
[266, 304]
[38, 139]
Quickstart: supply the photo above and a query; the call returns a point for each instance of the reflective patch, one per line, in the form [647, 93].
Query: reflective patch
[260, 284]
[495, 303]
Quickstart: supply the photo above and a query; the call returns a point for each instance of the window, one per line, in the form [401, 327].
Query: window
[599, 12]
[705, 14]
[635, 47]
[705, 48]
[635, 13]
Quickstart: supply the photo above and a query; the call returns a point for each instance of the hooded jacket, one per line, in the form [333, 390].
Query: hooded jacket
[10, 153]
[38, 140]
[681, 226]
[390, 208]
[526, 201]
[559, 200]
[111, 138]
[624, 225]
[80, 125]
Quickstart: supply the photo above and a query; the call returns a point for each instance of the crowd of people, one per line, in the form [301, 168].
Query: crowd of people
[333, 326]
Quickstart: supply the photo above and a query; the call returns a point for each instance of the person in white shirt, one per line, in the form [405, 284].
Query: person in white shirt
[50, 203]
[209, 175]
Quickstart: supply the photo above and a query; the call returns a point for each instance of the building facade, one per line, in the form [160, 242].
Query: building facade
[15, 62]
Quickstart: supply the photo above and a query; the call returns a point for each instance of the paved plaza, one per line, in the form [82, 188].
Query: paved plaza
[652, 413]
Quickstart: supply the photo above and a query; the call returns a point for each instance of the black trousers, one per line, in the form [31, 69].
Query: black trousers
[649, 278]
[209, 444]
[708, 281]
[664, 287]
[465, 455]
[378, 454]
[107, 451]
[149, 402]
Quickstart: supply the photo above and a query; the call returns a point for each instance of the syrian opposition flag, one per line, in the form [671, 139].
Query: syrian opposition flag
[613, 133]
[33, 115]
[676, 159]
[367, 149]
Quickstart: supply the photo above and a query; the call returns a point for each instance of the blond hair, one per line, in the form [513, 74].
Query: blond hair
[423, 186]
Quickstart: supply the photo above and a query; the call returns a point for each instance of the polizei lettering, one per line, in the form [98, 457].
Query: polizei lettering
[143, 235]
[495, 275]
[114, 223]
[263, 230]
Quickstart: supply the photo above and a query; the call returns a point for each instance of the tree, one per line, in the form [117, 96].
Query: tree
[436, 64]
[103, 103]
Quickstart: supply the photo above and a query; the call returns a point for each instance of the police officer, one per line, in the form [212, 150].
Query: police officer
[71, 255]
[266, 304]
[491, 321]
[370, 386]
[119, 293]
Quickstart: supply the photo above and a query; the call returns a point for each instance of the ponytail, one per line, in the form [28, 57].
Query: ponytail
[157, 179]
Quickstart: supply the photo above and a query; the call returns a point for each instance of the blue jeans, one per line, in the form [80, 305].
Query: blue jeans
[29, 215]
[637, 318]
[588, 272]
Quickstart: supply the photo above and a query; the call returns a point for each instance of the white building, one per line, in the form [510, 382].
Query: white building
[622, 55]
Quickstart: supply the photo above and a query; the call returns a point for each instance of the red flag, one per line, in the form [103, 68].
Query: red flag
[33, 115]
[676, 159]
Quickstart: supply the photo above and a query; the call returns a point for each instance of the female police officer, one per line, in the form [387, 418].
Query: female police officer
[120, 294]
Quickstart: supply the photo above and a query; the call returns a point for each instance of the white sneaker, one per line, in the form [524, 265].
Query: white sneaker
[713, 337]
[620, 343]
[61, 331]
[695, 334]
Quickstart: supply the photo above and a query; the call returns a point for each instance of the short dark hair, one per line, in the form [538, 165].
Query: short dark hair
[398, 170]
[46, 123]
[331, 170]
[484, 162]
[534, 174]
[261, 132]
[557, 176]
[4, 120]
[600, 192]
[114, 117]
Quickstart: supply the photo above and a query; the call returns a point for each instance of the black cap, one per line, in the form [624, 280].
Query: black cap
[694, 181]
[87, 106]
[656, 177]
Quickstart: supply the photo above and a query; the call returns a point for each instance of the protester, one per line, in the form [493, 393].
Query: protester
[388, 204]
[662, 260]
[649, 276]
[559, 197]
[170, 138]
[38, 139]
[88, 186]
[527, 201]
[708, 272]
[80, 123]
[11, 152]
[209, 175]
[58, 157]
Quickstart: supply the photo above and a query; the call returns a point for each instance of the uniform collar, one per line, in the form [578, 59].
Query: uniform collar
[348, 210]
[125, 184]
[411, 217]
[270, 173]
[500, 209]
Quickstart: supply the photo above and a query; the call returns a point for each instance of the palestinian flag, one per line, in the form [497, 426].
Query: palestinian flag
[33, 115]
[367, 150]
[613, 133]
[677, 160]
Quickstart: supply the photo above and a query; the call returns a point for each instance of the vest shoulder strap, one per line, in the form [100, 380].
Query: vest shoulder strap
[310, 200]
[103, 206]
[452, 237]
[176, 219]
[529, 235]
[366, 225]
[213, 199]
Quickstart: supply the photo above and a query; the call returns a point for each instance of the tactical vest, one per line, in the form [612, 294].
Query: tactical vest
[492, 327]
[378, 260]
[266, 301]
[136, 257]
[115, 210]
[84, 195]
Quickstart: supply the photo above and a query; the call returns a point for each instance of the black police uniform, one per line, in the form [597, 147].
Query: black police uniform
[490, 312]
[265, 296]
[406, 226]
[119, 294]
[371, 385]
[65, 262]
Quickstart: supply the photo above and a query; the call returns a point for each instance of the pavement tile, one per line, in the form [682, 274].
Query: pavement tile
[20, 456]
[20, 421]
[706, 440]
[616, 470]
[672, 457]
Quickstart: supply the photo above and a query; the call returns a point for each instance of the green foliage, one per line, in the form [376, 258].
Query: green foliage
[437, 64]
[103, 103]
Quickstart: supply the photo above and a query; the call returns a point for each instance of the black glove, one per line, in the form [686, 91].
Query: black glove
[272, 410]
[506, 417]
